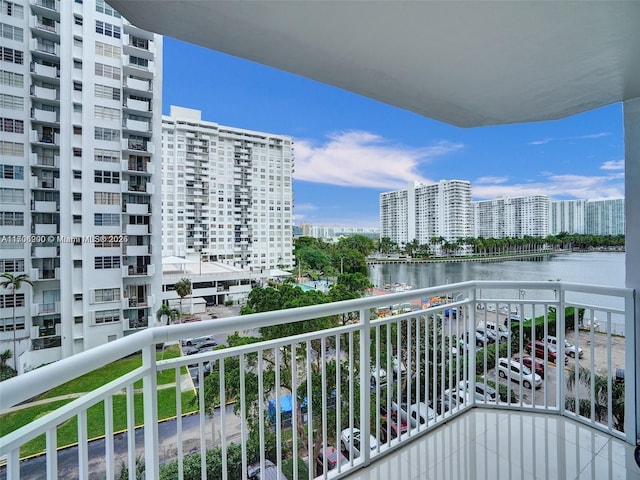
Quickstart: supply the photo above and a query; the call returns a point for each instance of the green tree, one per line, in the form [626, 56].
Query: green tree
[14, 283]
[599, 386]
[183, 289]
[362, 244]
[171, 314]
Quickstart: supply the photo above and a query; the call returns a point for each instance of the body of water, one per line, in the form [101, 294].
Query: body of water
[594, 268]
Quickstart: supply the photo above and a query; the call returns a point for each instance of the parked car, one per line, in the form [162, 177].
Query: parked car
[270, 472]
[508, 368]
[381, 375]
[352, 450]
[530, 363]
[444, 404]
[459, 347]
[392, 426]
[200, 342]
[451, 313]
[334, 458]
[461, 393]
[539, 350]
[499, 331]
[480, 340]
[569, 348]
[415, 414]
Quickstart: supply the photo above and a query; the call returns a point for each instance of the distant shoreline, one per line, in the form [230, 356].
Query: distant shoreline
[491, 258]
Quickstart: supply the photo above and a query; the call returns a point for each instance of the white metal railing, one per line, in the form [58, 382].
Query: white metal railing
[390, 378]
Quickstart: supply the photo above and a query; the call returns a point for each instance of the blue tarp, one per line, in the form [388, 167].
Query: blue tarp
[285, 409]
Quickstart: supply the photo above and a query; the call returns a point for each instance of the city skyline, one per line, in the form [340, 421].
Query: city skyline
[344, 142]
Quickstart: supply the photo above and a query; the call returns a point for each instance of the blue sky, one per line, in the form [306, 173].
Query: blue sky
[349, 149]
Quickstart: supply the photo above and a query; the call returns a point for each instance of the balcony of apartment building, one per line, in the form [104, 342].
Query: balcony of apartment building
[133, 207]
[420, 393]
[138, 164]
[138, 104]
[139, 46]
[137, 124]
[44, 113]
[45, 91]
[46, 136]
[134, 83]
[138, 144]
[42, 26]
[46, 71]
[137, 246]
[47, 7]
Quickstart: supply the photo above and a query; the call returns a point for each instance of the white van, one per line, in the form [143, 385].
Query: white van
[500, 331]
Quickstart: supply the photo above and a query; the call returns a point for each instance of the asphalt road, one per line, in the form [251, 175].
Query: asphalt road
[35, 468]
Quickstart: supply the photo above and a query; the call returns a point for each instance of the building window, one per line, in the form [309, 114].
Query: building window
[14, 196]
[11, 9]
[107, 71]
[6, 301]
[103, 295]
[11, 125]
[11, 265]
[77, 219]
[138, 62]
[102, 7]
[102, 263]
[109, 134]
[77, 319]
[108, 50]
[77, 174]
[12, 102]
[77, 196]
[6, 324]
[106, 198]
[77, 19]
[11, 172]
[110, 156]
[104, 91]
[12, 56]
[11, 219]
[77, 264]
[11, 79]
[77, 86]
[105, 176]
[107, 29]
[106, 219]
[107, 316]
[11, 33]
[77, 297]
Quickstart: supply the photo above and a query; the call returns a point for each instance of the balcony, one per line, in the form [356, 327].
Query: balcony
[45, 309]
[137, 229]
[136, 125]
[45, 116]
[44, 93]
[482, 425]
[45, 71]
[140, 167]
[45, 228]
[45, 273]
[45, 207]
[137, 84]
[136, 209]
[52, 161]
[137, 146]
[137, 105]
[138, 270]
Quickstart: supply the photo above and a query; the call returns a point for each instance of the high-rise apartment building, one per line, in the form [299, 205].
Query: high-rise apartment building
[605, 217]
[514, 217]
[567, 216]
[422, 212]
[80, 93]
[334, 233]
[226, 192]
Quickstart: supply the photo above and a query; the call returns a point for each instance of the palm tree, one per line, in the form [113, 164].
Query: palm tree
[170, 313]
[183, 288]
[14, 282]
[600, 390]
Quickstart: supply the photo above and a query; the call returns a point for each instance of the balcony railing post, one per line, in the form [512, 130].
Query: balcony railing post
[470, 326]
[150, 402]
[632, 367]
[560, 353]
[365, 394]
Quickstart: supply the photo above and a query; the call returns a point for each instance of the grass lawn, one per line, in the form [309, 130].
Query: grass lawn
[67, 433]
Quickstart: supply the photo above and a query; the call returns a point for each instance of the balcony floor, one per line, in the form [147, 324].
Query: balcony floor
[497, 444]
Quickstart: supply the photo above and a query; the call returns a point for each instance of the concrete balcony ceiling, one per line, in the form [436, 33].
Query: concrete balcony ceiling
[464, 63]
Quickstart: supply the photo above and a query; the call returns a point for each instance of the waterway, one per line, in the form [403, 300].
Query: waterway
[594, 268]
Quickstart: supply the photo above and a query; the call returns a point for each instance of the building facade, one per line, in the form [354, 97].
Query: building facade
[567, 216]
[514, 217]
[80, 93]
[227, 192]
[605, 217]
[423, 212]
[334, 233]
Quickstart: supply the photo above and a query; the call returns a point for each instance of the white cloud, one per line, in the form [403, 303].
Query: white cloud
[589, 136]
[492, 180]
[613, 165]
[364, 159]
[556, 187]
